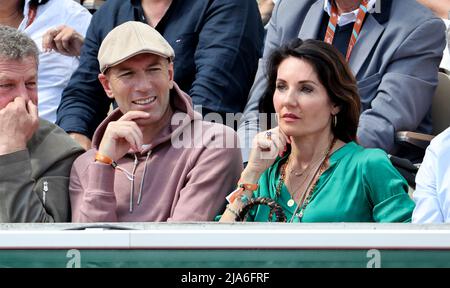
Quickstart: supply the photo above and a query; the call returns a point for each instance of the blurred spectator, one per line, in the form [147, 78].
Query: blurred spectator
[217, 43]
[92, 5]
[432, 194]
[442, 9]
[265, 9]
[48, 19]
[395, 61]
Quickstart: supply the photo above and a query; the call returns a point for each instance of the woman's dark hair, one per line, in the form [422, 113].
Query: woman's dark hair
[333, 73]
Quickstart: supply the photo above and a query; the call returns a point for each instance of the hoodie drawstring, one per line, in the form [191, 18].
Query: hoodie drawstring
[132, 182]
[143, 177]
[131, 177]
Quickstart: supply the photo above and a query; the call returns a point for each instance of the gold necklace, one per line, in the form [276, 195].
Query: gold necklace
[301, 172]
[295, 189]
[309, 191]
[306, 198]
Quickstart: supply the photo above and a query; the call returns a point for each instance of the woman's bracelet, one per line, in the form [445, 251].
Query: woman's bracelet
[235, 213]
[239, 193]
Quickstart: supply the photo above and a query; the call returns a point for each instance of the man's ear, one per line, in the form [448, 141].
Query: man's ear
[170, 69]
[106, 85]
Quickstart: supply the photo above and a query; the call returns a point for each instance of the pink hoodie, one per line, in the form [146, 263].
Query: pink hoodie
[184, 175]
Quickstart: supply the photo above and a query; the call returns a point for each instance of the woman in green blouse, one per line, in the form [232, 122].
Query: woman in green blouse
[311, 164]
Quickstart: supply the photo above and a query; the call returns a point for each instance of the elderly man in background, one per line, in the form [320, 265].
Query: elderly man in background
[58, 25]
[442, 9]
[35, 155]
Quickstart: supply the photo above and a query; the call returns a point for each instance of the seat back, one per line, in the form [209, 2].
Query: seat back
[441, 105]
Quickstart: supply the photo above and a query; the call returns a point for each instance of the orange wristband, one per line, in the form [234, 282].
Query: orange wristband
[103, 159]
[241, 188]
[250, 187]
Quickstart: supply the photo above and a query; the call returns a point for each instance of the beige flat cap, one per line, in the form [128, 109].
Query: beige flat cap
[130, 39]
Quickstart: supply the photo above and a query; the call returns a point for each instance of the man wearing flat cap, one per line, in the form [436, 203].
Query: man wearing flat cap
[153, 158]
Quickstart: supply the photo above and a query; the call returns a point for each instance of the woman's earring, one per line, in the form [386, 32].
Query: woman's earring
[334, 120]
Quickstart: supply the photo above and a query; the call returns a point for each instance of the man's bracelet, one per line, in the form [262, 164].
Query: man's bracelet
[105, 160]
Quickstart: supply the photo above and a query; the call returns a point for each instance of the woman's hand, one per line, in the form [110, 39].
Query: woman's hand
[266, 147]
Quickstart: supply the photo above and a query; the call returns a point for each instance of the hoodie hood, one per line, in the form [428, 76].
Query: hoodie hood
[182, 106]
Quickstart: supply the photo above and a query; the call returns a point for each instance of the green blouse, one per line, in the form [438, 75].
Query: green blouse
[360, 185]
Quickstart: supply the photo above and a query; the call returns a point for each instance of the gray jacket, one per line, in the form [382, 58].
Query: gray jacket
[395, 61]
[34, 183]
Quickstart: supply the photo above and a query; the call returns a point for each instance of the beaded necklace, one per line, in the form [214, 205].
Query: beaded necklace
[306, 196]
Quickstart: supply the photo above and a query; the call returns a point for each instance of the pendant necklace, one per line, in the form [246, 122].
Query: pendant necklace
[317, 173]
[307, 195]
[311, 166]
[291, 202]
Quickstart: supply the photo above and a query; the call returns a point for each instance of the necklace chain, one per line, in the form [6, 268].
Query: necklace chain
[302, 171]
[310, 168]
[306, 195]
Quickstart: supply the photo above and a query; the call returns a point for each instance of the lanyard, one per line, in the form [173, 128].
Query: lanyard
[32, 11]
[331, 29]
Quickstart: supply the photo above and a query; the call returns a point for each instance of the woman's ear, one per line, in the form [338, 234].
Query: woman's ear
[335, 109]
